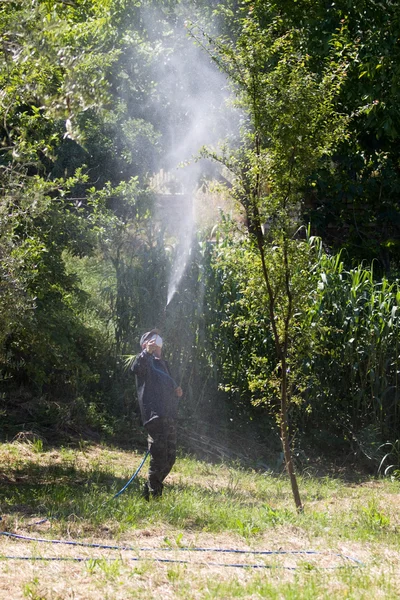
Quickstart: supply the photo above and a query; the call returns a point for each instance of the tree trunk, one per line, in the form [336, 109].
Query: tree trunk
[285, 438]
[281, 353]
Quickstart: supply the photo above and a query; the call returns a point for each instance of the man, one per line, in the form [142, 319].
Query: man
[158, 396]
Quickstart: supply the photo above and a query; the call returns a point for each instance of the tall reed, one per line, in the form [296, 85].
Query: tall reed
[353, 359]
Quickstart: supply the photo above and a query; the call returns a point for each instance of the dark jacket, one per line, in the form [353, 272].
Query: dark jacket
[155, 388]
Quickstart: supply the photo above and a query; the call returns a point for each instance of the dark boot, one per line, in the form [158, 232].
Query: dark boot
[146, 492]
[157, 493]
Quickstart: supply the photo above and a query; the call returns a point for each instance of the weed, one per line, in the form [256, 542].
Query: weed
[175, 574]
[247, 529]
[373, 518]
[392, 457]
[109, 569]
[31, 590]
[37, 445]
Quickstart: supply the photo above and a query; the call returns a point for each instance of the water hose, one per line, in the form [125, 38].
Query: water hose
[133, 476]
[163, 373]
[356, 562]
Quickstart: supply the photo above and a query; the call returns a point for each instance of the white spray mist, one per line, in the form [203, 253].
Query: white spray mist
[194, 91]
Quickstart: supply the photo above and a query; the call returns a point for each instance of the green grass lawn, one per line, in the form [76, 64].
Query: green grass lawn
[67, 494]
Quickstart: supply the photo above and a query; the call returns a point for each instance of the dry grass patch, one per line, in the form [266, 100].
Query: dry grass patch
[118, 577]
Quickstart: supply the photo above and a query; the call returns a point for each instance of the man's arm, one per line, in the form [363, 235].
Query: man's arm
[177, 388]
[141, 363]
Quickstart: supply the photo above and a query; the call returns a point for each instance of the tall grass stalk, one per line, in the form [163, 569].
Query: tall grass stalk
[354, 324]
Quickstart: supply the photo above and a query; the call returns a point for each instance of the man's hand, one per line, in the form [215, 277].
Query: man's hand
[151, 346]
[178, 391]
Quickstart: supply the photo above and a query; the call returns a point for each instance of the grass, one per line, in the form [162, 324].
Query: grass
[204, 506]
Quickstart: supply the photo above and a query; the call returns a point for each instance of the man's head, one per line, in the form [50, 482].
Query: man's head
[152, 341]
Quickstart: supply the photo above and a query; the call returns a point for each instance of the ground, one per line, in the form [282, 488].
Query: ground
[165, 548]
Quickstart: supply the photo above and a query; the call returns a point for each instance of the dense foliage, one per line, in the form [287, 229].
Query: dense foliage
[97, 97]
[344, 360]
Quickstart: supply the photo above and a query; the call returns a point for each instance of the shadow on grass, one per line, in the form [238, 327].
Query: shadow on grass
[64, 489]
[34, 489]
[66, 493]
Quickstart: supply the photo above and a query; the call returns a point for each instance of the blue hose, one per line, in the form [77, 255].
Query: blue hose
[163, 373]
[133, 476]
[356, 562]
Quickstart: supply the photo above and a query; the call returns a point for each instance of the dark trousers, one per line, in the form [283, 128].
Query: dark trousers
[161, 441]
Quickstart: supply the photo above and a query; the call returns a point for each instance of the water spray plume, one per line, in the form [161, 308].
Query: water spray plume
[175, 211]
[171, 294]
[177, 275]
[196, 93]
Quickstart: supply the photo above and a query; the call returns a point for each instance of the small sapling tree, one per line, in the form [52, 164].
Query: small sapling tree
[289, 124]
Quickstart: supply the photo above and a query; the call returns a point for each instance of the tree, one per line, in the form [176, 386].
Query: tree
[290, 124]
[355, 203]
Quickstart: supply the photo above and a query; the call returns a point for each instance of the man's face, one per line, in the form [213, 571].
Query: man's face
[154, 345]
